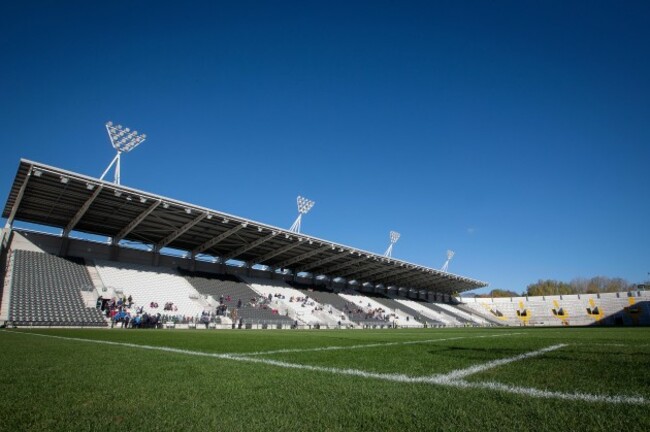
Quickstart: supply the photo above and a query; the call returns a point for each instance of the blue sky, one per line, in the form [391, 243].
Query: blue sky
[515, 133]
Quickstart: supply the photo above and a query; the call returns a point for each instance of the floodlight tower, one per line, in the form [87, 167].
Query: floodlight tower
[304, 205]
[123, 140]
[450, 255]
[394, 236]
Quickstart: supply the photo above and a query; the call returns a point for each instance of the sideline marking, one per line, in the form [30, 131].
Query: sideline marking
[447, 380]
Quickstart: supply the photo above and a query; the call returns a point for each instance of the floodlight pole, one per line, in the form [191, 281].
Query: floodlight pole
[123, 140]
[394, 236]
[296, 225]
[116, 159]
[445, 266]
[304, 205]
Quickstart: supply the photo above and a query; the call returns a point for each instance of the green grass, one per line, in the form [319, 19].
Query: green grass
[59, 384]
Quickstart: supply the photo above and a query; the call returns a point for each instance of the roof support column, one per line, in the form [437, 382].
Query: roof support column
[19, 198]
[5, 239]
[65, 241]
[82, 211]
[245, 248]
[179, 232]
[135, 222]
[114, 251]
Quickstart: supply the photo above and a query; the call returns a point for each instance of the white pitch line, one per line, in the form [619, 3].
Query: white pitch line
[462, 373]
[627, 345]
[546, 394]
[362, 346]
[442, 380]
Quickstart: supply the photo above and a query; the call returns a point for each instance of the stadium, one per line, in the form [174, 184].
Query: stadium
[468, 188]
[182, 287]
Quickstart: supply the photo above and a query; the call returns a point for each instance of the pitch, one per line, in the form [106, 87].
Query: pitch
[435, 379]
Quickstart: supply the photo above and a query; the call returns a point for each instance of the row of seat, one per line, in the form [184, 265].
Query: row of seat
[231, 290]
[147, 284]
[47, 289]
[607, 309]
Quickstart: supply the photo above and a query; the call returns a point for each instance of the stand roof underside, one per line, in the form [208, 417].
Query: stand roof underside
[50, 196]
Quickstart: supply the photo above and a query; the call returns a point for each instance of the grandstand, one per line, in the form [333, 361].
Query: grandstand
[620, 308]
[183, 264]
[218, 250]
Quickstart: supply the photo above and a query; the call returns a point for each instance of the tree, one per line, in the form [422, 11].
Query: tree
[549, 287]
[502, 293]
[594, 285]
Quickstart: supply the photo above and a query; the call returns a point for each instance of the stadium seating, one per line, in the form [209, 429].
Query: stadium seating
[429, 310]
[230, 289]
[337, 304]
[361, 309]
[417, 311]
[147, 285]
[631, 308]
[46, 290]
[293, 303]
[374, 311]
[404, 315]
[462, 316]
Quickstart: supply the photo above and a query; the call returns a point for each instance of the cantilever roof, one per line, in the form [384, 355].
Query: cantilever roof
[55, 197]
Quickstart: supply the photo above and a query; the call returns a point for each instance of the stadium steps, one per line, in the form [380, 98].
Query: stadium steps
[96, 280]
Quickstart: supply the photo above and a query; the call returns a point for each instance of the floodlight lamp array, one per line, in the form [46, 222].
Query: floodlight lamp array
[394, 236]
[450, 254]
[124, 139]
[304, 204]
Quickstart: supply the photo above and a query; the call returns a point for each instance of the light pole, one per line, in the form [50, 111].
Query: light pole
[394, 236]
[445, 266]
[304, 205]
[123, 140]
